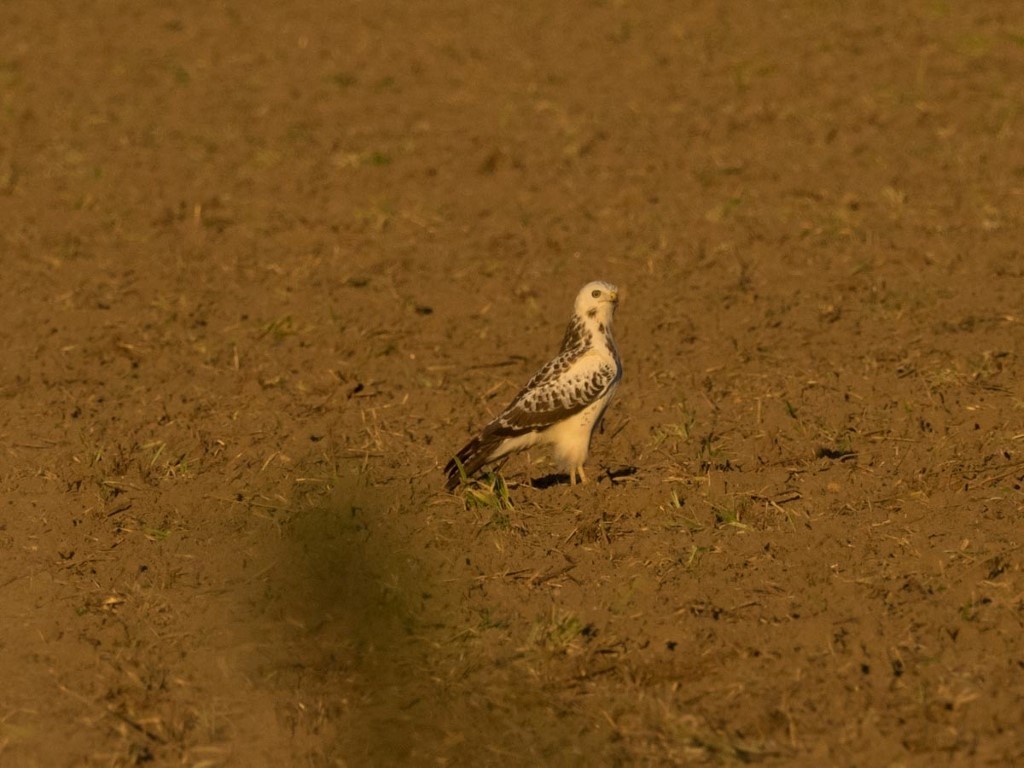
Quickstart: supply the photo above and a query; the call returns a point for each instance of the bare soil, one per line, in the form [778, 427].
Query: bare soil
[266, 265]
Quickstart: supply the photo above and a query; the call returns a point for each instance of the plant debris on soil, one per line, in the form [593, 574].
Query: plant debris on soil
[265, 266]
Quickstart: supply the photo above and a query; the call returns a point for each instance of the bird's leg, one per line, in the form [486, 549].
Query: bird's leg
[583, 475]
[572, 476]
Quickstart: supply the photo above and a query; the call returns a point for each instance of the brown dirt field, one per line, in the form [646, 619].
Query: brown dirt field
[266, 265]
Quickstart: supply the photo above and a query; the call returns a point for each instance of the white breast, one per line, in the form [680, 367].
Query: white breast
[570, 439]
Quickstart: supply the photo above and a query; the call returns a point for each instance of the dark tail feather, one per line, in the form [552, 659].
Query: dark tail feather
[471, 458]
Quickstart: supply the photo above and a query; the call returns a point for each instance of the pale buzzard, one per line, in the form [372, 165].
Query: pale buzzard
[563, 402]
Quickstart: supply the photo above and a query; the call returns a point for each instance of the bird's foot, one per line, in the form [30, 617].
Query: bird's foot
[573, 473]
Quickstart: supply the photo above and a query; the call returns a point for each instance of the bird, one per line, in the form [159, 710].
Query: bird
[563, 402]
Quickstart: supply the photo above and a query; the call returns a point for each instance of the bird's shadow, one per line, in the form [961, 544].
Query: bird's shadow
[555, 478]
[548, 481]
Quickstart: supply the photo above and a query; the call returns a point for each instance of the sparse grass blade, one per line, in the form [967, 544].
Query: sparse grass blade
[488, 492]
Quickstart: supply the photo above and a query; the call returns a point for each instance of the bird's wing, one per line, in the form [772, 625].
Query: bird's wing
[561, 389]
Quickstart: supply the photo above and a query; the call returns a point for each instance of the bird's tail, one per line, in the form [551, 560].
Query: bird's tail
[468, 461]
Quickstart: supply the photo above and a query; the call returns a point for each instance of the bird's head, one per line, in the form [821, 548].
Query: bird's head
[597, 301]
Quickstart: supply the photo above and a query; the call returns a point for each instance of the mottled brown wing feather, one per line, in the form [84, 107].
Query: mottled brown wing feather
[550, 401]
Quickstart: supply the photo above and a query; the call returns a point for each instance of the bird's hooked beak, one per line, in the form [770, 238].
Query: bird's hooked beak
[614, 296]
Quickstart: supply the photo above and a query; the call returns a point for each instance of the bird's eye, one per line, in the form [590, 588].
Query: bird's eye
[595, 293]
